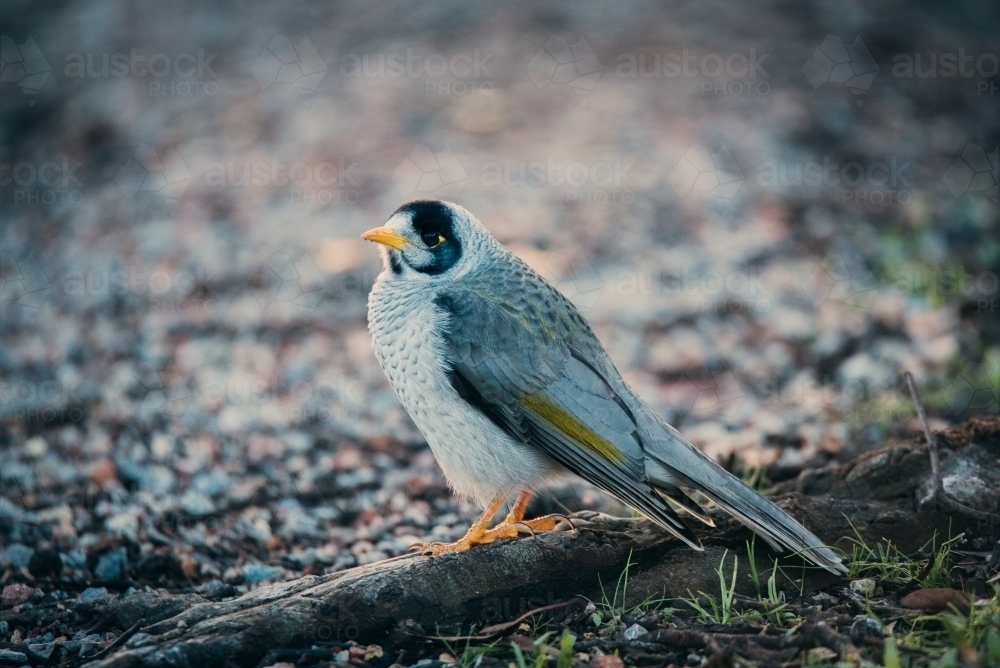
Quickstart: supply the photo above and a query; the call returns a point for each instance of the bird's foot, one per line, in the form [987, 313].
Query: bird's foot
[503, 530]
[481, 537]
[547, 523]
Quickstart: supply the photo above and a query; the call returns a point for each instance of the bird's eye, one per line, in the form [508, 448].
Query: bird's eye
[432, 239]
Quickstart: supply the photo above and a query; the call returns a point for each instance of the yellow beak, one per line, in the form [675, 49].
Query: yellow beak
[386, 236]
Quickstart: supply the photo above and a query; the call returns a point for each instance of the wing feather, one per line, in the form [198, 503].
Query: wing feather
[516, 363]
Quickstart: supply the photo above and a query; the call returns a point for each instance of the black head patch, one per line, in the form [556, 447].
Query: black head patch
[435, 225]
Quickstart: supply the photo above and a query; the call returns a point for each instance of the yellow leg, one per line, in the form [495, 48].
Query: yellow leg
[479, 534]
[476, 534]
[544, 523]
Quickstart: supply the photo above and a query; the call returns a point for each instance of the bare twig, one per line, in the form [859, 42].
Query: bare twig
[496, 629]
[690, 638]
[120, 640]
[928, 434]
[940, 499]
[830, 639]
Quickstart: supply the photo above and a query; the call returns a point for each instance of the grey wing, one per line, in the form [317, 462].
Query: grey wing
[520, 353]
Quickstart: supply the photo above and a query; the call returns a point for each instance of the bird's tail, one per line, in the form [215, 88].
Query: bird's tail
[678, 464]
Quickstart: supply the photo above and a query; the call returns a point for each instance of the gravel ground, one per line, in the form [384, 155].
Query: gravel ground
[764, 213]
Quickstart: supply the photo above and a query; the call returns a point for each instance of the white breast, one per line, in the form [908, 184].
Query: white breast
[479, 459]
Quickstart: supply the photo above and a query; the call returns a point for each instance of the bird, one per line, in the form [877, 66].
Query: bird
[512, 390]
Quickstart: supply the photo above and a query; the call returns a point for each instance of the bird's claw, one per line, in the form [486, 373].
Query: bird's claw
[525, 525]
[547, 522]
[437, 548]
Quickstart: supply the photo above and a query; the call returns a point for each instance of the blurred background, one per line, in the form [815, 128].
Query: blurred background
[767, 211]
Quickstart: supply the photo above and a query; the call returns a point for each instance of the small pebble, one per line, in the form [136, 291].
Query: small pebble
[216, 589]
[36, 447]
[15, 594]
[10, 656]
[254, 573]
[140, 640]
[864, 627]
[112, 564]
[17, 555]
[104, 473]
[93, 595]
[634, 631]
[196, 504]
[44, 650]
[863, 587]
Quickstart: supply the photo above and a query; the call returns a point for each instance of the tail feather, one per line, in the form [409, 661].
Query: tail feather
[778, 528]
[689, 467]
[683, 502]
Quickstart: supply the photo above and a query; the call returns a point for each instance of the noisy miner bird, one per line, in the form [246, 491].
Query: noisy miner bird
[512, 389]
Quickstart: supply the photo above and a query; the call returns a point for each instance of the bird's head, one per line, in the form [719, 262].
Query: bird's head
[428, 239]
